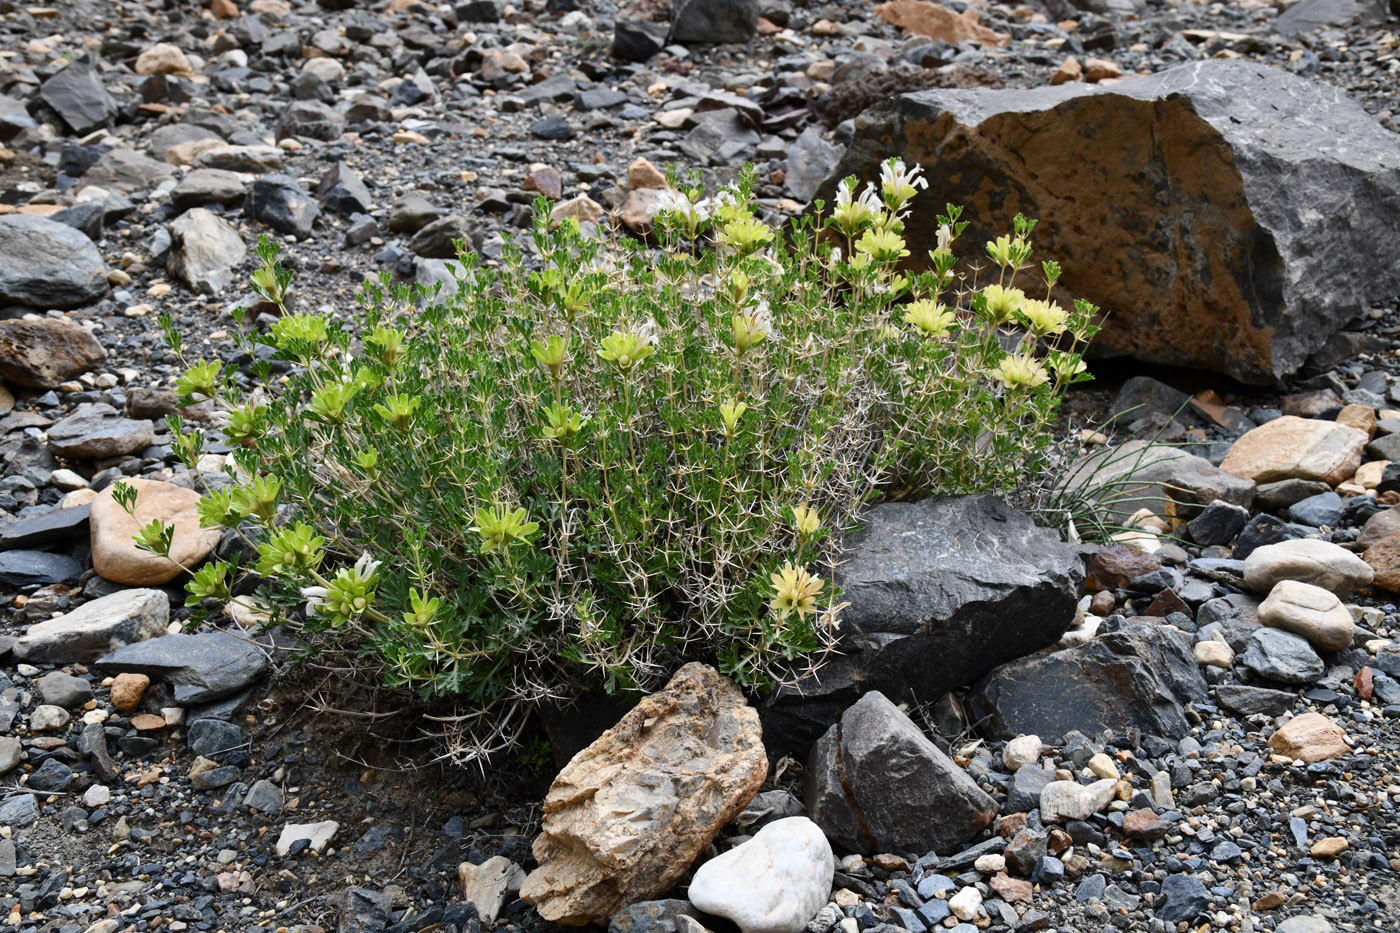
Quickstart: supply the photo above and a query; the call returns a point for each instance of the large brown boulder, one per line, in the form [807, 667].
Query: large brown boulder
[45, 353]
[630, 813]
[1225, 214]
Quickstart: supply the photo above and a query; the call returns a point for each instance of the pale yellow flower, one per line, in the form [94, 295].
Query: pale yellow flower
[932, 319]
[1020, 371]
[795, 590]
[1044, 317]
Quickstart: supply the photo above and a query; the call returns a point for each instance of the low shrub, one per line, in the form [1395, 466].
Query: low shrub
[586, 466]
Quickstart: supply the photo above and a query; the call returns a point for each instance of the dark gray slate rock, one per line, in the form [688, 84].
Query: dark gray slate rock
[214, 738]
[1282, 656]
[362, 910]
[45, 264]
[76, 94]
[209, 186]
[437, 239]
[1258, 279]
[1182, 898]
[636, 40]
[714, 21]
[939, 592]
[279, 202]
[1251, 701]
[809, 161]
[19, 810]
[1023, 792]
[1218, 523]
[201, 667]
[1131, 682]
[96, 627]
[59, 689]
[875, 783]
[58, 525]
[341, 190]
[96, 430]
[1312, 15]
[37, 568]
[1142, 395]
[53, 776]
[310, 119]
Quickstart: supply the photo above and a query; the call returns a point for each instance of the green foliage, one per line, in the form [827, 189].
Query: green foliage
[587, 467]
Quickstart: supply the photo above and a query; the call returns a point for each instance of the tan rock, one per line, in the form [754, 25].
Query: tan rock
[1310, 737]
[44, 353]
[127, 691]
[936, 22]
[1330, 847]
[1296, 448]
[1100, 69]
[639, 209]
[1384, 559]
[147, 722]
[1012, 890]
[1270, 901]
[1379, 527]
[1069, 70]
[1214, 654]
[581, 208]
[487, 885]
[1361, 417]
[1307, 610]
[1308, 560]
[223, 9]
[643, 174]
[114, 555]
[628, 815]
[1368, 475]
[163, 59]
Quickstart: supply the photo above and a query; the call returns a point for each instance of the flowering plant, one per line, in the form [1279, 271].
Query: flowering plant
[588, 466]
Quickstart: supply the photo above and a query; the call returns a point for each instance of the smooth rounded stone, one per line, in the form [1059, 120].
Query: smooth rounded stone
[115, 556]
[990, 864]
[1062, 801]
[1297, 448]
[629, 813]
[96, 627]
[127, 691]
[163, 58]
[45, 353]
[966, 903]
[1310, 737]
[45, 264]
[1021, 751]
[1282, 656]
[209, 186]
[1102, 767]
[1182, 898]
[1383, 557]
[64, 690]
[1278, 496]
[1311, 611]
[1378, 527]
[318, 835]
[37, 568]
[98, 795]
[1214, 654]
[205, 250]
[773, 883]
[98, 430]
[1306, 560]
[47, 718]
[1304, 923]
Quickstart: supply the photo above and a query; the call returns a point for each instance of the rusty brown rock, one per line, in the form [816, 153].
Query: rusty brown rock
[1069, 70]
[1297, 448]
[639, 209]
[629, 813]
[1182, 203]
[127, 691]
[44, 353]
[1310, 737]
[1384, 558]
[936, 22]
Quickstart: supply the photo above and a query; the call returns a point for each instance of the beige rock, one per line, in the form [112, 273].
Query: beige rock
[1307, 610]
[639, 209]
[1383, 557]
[1379, 527]
[1307, 560]
[1330, 847]
[114, 555]
[1368, 475]
[127, 691]
[1103, 767]
[1012, 890]
[487, 885]
[1069, 70]
[1310, 737]
[628, 815]
[937, 22]
[643, 174]
[674, 118]
[1214, 654]
[223, 9]
[163, 59]
[1021, 751]
[1301, 448]
[1100, 69]
[1361, 417]
[581, 208]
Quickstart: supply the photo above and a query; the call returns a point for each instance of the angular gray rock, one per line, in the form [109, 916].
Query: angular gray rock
[1312, 15]
[76, 94]
[1141, 475]
[875, 783]
[279, 202]
[1132, 681]
[95, 429]
[1282, 656]
[95, 628]
[205, 249]
[341, 190]
[37, 568]
[939, 592]
[209, 186]
[201, 667]
[1242, 154]
[45, 264]
[714, 20]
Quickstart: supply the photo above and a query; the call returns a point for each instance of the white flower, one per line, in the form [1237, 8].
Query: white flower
[762, 318]
[895, 176]
[314, 596]
[671, 200]
[650, 332]
[945, 236]
[711, 206]
[366, 567]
